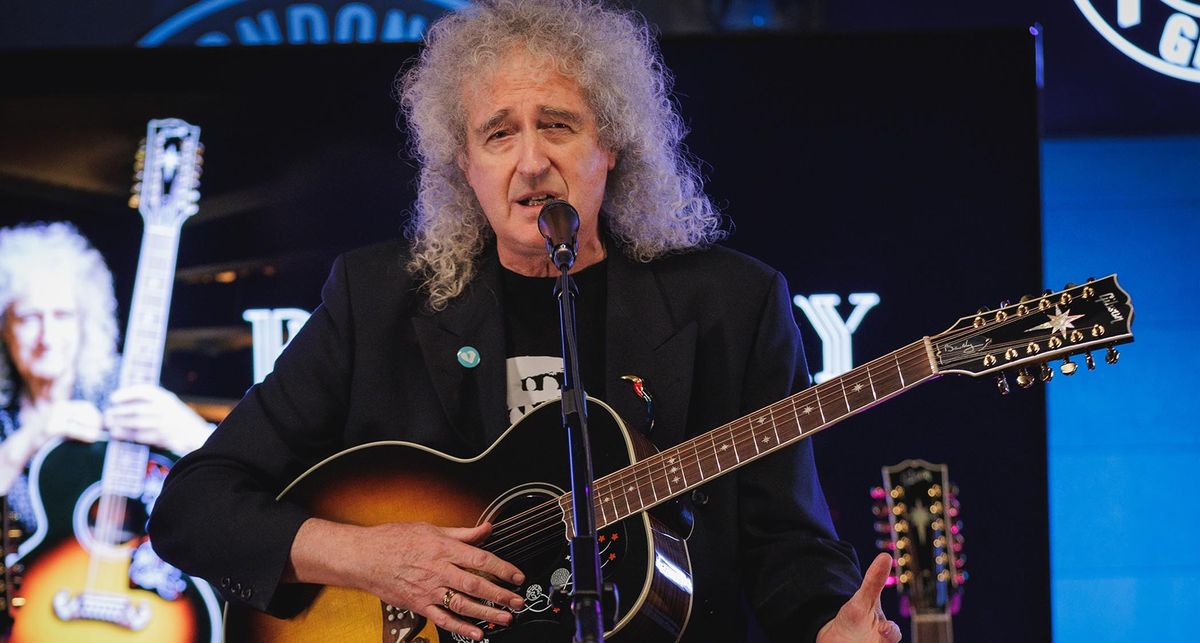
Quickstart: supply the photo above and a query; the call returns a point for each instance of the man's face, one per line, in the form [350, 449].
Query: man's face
[531, 136]
[42, 329]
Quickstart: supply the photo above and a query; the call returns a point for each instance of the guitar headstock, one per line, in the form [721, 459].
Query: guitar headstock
[917, 506]
[167, 173]
[1037, 330]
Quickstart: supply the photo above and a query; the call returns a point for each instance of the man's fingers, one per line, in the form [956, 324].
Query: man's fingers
[470, 535]
[475, 585]
[132, 422]
[875, 579]
[134, 393]
[472, 558]
[464, 603]
[447, 621]
[890, 632]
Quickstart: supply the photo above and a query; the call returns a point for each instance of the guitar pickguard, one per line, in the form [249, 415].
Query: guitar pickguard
[547, 564]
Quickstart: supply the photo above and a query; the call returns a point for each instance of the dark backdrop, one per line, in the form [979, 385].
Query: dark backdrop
[854, 163]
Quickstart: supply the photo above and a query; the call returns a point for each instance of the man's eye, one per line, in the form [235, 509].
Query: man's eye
[497, 134]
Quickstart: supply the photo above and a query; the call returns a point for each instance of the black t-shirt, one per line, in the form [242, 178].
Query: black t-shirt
[533, 340]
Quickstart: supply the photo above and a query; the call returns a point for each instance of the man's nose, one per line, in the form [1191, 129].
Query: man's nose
[533, 161]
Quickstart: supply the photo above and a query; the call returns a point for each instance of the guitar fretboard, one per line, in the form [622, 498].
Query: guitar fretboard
[146, 332]
[676, 470]
[932, 628]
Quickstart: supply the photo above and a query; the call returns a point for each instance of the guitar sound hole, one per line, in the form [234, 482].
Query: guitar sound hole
[119, 523]
[532, 536]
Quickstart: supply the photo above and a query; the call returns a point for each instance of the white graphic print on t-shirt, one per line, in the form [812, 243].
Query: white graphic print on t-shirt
[532, 380]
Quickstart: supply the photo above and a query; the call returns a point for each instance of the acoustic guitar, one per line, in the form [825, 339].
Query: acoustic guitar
[89, 571]
[526, 500]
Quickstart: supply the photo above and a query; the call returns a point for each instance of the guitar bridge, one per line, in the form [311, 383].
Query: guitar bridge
[401, 625]
[107, 608]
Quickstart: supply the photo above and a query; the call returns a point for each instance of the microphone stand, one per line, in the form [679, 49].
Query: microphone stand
[585, 552]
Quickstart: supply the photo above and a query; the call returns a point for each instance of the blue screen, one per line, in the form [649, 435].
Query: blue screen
[1122, 441]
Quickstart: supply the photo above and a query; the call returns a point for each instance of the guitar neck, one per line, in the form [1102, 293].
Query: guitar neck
[933, 627]
[677, 470]
[146, 334]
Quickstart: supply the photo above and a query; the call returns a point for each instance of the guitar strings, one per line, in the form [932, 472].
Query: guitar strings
[740, 431]
[511, 535]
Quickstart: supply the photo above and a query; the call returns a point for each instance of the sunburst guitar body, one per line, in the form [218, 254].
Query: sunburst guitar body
[89, 571]
[517, 485]
[94, 579]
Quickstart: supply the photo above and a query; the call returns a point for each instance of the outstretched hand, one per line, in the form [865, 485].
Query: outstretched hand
[861, 619]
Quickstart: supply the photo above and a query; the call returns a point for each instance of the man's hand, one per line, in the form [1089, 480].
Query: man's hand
[70, 420]
[861, 619]
[411, 566]
[67, 419]
[152, 415]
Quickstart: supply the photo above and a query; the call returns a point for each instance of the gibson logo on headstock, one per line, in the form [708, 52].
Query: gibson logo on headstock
[1110, 302]
[911, 477]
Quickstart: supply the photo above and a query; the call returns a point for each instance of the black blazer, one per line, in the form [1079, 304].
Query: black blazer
[712, 333]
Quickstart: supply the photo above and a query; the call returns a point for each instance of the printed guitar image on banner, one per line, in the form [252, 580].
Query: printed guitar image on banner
[88, 570]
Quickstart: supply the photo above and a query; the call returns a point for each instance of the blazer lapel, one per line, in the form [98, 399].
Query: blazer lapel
[474, 319]
[642, 340]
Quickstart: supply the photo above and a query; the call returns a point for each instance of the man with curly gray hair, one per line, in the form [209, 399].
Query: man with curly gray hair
[446, 338]
[59, 327]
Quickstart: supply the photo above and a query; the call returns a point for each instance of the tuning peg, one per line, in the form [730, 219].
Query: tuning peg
[1024, 378]
[885, 544]
[883, 527]
[1068, 367]
[878, 493]
[1111, 355]
[1005, 303]
[1087, 359]
[1045, 373]
[1002, 383]
[879, 511]
[1068, 286]
[982, 310]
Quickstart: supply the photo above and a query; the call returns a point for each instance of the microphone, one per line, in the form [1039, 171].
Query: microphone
[559, 223]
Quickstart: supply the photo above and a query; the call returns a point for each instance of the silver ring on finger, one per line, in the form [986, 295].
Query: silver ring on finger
[446, 598]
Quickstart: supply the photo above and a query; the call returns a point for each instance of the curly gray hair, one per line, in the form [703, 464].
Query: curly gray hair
[655, 202]
[41, 248]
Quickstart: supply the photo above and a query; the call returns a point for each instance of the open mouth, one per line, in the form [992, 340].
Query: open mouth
[536, 200]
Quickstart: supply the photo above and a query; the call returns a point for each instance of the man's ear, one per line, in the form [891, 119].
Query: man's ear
[612, 159]
[461, 160]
